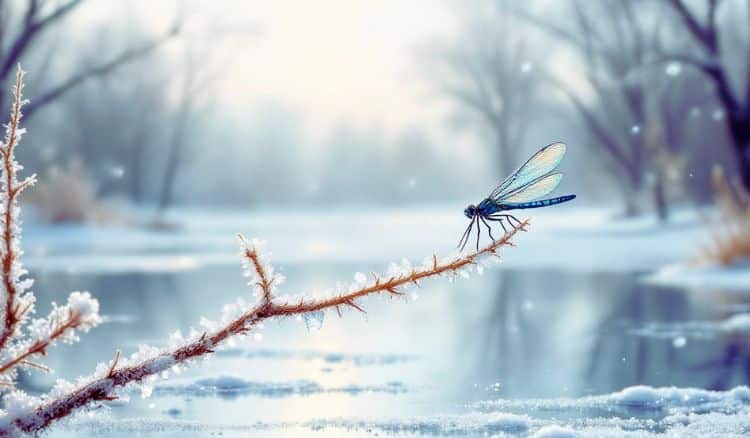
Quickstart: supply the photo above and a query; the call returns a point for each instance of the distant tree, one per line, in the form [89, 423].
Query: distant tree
[728, 71]
[618, 104]
[488, 72]
[21, 31]
[197, 75]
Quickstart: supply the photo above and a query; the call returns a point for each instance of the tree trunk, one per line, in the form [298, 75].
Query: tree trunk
[136, 165]
[660, 198]
[503, 150]
[739, 129]
[174, 157]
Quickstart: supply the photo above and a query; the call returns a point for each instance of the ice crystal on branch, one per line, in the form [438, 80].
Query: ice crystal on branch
[22, 339]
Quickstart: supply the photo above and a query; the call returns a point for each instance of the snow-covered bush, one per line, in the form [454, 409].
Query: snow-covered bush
[24, 339]
[730, 231]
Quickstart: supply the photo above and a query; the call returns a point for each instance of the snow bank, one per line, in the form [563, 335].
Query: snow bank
[730, 278]
[575, 239]
[554, 431]
[639, 411]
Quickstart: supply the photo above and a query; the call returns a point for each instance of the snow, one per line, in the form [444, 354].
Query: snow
[680, 332]
[633, 412]
[554, 431]
[668, 399]
[730, 278]
[581, 240]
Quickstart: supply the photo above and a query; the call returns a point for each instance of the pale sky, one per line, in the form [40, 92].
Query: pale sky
[331, 60]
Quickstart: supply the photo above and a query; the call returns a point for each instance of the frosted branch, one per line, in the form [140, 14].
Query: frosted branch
[30, 417]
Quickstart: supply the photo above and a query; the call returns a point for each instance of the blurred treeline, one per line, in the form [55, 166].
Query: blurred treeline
[652, 93]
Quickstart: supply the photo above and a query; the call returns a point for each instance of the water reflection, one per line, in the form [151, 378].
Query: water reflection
[551, 333]
[509, 333]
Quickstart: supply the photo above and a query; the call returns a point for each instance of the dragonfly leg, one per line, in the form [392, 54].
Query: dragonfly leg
[510, 218]
[479, 233]
[465, 237]
[502, 224]
[515, 219]
[489, 229]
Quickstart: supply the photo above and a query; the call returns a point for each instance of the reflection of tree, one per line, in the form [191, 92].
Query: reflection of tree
[517, 330]
[622, 359]
[736, 357]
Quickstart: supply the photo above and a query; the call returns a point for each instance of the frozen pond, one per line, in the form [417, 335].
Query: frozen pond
[431, 363]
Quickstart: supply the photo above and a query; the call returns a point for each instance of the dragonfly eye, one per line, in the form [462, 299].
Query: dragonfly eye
[470, 211]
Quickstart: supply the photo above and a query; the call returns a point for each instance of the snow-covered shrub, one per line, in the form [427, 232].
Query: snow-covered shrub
[65, 195]
[730, 231]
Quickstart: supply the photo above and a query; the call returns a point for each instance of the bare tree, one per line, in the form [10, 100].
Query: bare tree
[615, 43]
[197, 74]
[488, 73]
[20, 33]
[705, 33]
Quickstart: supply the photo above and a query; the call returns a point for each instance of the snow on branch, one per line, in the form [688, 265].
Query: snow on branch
[23, 340]
[144, 366]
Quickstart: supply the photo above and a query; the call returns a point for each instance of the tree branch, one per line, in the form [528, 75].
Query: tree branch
[101, 69]
[102, 388]
[10, 270]
[695, 28]
[30, 31]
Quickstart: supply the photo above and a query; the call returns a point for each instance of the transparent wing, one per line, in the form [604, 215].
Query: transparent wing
[540, 164]
[534, 190]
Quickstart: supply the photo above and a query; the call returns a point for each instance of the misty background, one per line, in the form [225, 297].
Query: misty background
[350, 103]
[350, 134]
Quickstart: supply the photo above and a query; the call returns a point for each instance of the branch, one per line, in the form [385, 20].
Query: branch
[712, 68]
[81, 313]
[11, 271]
[101, 69]
[695, 28]
[31, 29]
[103, 387]
[593, 124]
[253, 263]
[550, 27]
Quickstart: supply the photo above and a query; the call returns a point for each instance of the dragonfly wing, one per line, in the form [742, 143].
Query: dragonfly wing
[534, 190]
[540, 164]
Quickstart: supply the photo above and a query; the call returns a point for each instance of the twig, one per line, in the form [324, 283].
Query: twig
[102, 388]
[250, 253]
[39, 346]
[12, 312]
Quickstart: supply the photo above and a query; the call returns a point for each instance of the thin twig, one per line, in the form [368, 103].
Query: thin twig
[40, 345]
[12, 314]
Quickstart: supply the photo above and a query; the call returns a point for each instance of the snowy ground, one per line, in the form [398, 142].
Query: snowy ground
[582, 306]
[572, 239]
[639, 411]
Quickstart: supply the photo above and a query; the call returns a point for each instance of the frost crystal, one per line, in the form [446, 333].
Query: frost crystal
[314, 320]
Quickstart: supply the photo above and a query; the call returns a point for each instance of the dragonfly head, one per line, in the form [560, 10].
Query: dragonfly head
[470, 211]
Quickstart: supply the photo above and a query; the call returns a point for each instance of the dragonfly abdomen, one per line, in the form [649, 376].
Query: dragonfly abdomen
[537, 204]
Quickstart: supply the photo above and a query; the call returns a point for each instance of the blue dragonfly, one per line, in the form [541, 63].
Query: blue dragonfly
[522, 189]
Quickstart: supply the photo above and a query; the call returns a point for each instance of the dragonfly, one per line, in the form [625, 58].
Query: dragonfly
[535, 179]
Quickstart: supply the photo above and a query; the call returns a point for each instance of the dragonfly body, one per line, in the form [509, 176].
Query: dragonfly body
[521, 190]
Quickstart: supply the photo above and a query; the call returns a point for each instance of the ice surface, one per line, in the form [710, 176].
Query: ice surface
[329, 357]
[231, 386]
